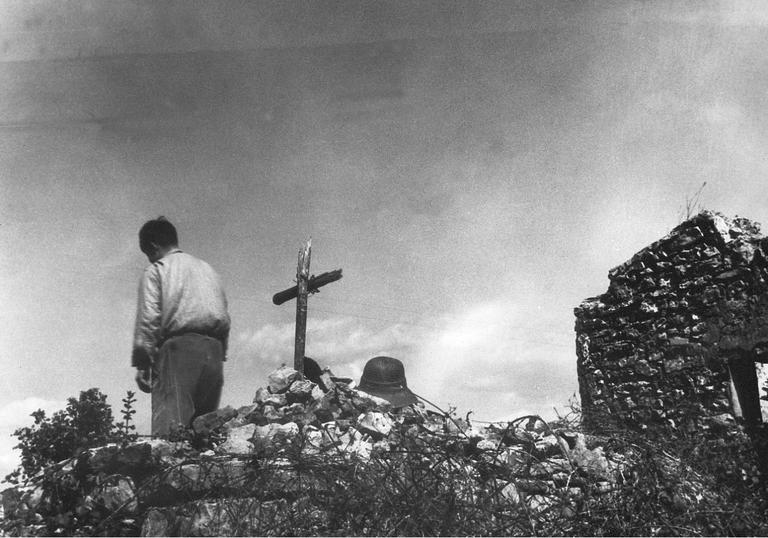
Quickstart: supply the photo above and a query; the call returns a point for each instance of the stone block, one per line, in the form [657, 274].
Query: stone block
[353, 443]
[510, 493]
[117, 493]
[326, 383]
[189, 480]
[137, 458]
[261, 395]
[281, 379]
[313, 441]
[488, 445]
[272, 433]
[363, 401]
[236, 422]
[245, 410]
[273, 414]
[157, 523]
[294, 409]
[317, 393]
[375, 423]
[592, 461]
[745, 250]
[276, 400]
[300, 391]
[205, 424]
[239, 440]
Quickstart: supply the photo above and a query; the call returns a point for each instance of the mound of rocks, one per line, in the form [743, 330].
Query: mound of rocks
[183, 486]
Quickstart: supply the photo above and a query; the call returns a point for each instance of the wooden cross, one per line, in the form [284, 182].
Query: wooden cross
[304, 286]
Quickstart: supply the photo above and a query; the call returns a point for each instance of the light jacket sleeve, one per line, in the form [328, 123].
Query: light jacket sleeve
[148, 319]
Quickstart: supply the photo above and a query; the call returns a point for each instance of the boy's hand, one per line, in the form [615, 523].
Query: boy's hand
[144, 379]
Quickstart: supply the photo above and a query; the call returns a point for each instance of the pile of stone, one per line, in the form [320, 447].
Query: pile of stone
[655, 348]
[329, 415]
[171, 488]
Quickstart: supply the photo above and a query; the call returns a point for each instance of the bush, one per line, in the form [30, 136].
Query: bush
[86, 422]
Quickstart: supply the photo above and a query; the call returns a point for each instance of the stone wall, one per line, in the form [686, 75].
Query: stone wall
[681, 326]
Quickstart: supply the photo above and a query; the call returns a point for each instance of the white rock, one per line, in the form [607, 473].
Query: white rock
[239, 440]
[593, 462]
[317, 393]
[510, 493]
[546, 443]
[487, 444]
[301, 389]
[363, 398]
[276, 400]
[281, 379]
[360, 448]
[330, 433]
[539, 503]
[722, 228]
[270, 432]
[313, 440]
[375, 423]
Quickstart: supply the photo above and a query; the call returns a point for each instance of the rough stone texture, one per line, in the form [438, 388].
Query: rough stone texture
[275, 433]
[281, 379]
[300, 391]
[655, 348]
[375, 423]
[204, 424]
[171, 488]
[117, 493]
[239, 440]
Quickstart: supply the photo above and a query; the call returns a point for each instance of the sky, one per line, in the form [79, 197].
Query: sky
[474, 169]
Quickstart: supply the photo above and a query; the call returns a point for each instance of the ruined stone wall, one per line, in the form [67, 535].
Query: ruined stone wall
[655, 348]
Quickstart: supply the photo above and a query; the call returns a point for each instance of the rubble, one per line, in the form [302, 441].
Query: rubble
[168, 479]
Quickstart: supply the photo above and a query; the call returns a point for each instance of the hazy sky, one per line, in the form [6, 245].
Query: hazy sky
[475, 170]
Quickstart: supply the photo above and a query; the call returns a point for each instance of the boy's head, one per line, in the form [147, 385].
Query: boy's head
[156, 237]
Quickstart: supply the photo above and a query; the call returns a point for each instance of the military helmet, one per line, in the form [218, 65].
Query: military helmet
[385, 377]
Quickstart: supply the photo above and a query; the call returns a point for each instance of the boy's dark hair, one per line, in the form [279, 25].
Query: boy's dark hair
[159, 231]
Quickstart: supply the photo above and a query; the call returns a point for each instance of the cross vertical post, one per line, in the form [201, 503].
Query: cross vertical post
[302, 283]
[305, 285]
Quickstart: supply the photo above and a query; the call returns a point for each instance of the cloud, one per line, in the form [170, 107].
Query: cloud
[490, 360]
[16, 415]
[343, 343]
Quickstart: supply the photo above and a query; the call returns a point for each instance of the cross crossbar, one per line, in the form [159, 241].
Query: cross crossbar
[313, 286]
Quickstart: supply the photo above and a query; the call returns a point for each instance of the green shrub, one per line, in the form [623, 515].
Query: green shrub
[86, 422]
